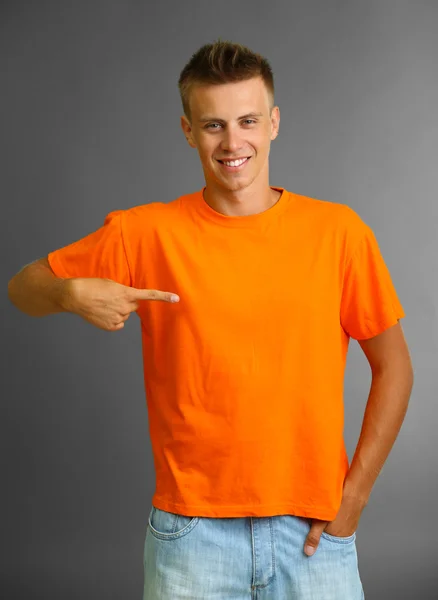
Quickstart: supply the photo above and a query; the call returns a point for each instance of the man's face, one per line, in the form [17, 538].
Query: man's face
[223, 128]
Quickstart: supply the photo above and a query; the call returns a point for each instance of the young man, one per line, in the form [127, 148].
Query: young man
[244, 374]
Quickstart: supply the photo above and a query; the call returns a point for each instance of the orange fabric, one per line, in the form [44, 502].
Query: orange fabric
[244, 376]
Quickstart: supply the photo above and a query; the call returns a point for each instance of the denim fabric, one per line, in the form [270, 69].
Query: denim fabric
[245, 558]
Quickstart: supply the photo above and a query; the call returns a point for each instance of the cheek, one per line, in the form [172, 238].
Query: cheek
[205, 155]
[208, 152]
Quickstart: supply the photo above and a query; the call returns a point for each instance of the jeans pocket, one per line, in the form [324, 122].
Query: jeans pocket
[166, 525]
[349, 539]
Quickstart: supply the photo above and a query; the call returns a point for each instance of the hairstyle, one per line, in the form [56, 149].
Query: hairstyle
[223, 62]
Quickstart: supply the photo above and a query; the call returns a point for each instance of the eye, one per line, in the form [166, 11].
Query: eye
[210, 125]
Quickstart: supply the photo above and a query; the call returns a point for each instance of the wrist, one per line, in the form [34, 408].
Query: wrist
[356, 494]
[67, 295]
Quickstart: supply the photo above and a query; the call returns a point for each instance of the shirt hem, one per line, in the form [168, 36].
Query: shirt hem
[249, 510]
[382, 326]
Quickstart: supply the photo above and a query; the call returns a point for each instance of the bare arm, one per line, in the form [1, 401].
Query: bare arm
[391, 386]
[37, 291]
[107, 304]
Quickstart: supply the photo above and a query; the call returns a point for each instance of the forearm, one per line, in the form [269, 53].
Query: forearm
[384, 414]
[36, 291]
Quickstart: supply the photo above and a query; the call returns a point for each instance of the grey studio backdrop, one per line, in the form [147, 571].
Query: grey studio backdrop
[90, 121]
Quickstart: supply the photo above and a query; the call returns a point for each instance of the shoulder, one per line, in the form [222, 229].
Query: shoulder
[152, 213]
[335, 227]
[335, 211]
[334, 218]
[155, 219]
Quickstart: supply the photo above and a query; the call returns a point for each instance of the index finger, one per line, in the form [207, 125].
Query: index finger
[141, 294]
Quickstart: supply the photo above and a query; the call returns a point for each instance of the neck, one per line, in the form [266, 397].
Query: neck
[240, 203]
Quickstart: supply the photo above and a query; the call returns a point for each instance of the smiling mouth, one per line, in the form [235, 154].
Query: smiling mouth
[236, 169]
[234, 159]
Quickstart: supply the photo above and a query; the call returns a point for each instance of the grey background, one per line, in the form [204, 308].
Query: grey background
[90, 121]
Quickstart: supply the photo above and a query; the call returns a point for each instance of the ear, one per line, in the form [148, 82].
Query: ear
[275, 122]
[187, 130]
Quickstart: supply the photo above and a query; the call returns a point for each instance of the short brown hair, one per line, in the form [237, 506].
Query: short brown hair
[223, 62]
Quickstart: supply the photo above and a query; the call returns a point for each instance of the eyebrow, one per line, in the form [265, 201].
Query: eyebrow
[251, 114]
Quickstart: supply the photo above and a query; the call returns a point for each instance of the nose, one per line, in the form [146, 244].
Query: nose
[231, 140]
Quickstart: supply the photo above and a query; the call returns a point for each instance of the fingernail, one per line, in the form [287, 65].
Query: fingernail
[309, 550]
[174, 298]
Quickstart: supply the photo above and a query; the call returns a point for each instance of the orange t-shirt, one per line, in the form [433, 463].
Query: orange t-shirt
[244, 376]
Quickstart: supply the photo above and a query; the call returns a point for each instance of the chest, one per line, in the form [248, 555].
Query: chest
[263, 279]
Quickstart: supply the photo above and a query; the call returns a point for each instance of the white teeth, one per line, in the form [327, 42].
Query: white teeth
[234, 163]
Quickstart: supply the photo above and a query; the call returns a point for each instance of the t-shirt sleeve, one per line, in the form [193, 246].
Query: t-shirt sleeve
[100, 254]
[369, 303]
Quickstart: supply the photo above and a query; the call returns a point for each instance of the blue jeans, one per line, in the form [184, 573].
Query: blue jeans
[245, 558]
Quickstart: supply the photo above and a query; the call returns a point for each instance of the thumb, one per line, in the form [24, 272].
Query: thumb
[314, 535]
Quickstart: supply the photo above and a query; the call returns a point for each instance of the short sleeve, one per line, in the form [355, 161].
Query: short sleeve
[369, 303]
[100, 254]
